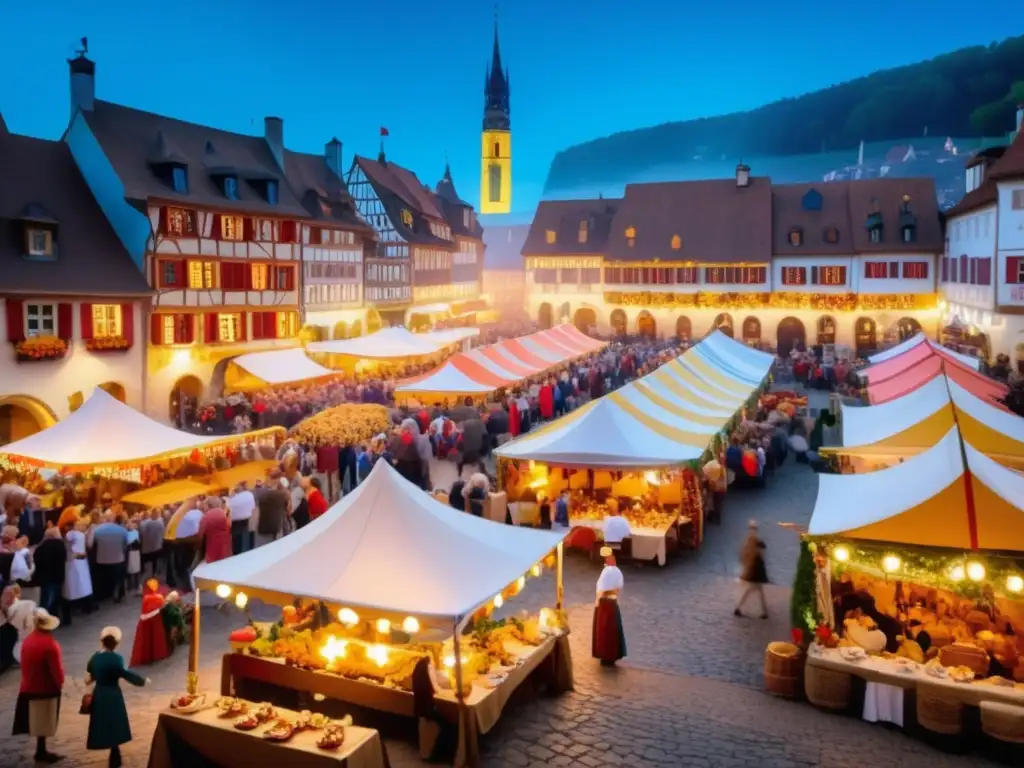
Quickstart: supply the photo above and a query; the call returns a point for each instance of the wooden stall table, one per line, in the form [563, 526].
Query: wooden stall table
[204, 736]
[550, 661]
[648, 543]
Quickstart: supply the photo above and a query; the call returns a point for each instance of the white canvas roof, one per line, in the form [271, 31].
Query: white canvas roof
[385, 343]
[103, 431]
[451, 335]
[863, 425]
[389, 546]
[747, 362]
[917, 340]
[281, 366]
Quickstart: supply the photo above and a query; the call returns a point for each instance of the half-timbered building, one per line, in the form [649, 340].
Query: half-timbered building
[468, 259]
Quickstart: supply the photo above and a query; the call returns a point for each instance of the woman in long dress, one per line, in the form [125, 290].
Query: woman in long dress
[150, 637]
[109, 727]
[609, 640]
[77, 579]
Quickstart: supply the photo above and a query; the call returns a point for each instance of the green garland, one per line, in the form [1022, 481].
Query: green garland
[803, 606]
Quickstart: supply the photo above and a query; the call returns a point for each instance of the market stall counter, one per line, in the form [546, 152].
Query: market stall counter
[207, 737]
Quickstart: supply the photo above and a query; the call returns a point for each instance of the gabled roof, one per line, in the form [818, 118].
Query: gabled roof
[716, 221]
[886, 195]
[1011, 164]
[133, 140]
[793, 207]
[39, 181]
[398, 189]
[1001, 164]
[323, 193]
[563, 217]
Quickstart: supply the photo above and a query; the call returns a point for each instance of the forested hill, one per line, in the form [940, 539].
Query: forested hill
[970, 92]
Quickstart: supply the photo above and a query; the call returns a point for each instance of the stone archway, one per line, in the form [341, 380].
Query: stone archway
[356, 330]
[751, 330]
[826, 329]
[790, 334]
[585, 319]
[373, 321]
[185, 396]
[545, 317]
[115, 390]
[340, 330]
[865, 336]
[724, 324]
[684, 329]
[22, 416]
[619, 323]
[907, 328]
[646, 325]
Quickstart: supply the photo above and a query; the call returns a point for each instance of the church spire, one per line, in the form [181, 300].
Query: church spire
[496, 90]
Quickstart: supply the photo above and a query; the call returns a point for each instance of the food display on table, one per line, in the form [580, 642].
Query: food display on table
[642, 514]
[188, 703]
[281, 730]
[230, 707]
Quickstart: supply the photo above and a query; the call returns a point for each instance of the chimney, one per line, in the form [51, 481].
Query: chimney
[83, 82]
[273, 132]
[742, 175]
[332, 154]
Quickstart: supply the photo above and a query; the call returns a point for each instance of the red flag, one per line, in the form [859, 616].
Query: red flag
[384, 131]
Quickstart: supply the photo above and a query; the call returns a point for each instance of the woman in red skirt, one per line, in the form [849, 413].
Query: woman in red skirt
[609, 639]
[150, 644]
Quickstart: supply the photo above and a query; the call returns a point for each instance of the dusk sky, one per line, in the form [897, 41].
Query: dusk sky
[579, 69]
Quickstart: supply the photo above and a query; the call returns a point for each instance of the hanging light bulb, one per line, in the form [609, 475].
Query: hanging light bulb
[536, 570]
[891, 563]
[1014, 583]
[520, 583]
[956, 573]
[223, 591]
[410, 626]
[498, 601]
[348, 617]
[975, 571]
[449, 661]
[383, 626]
[841, 554]
[378, 653]
[241, 600]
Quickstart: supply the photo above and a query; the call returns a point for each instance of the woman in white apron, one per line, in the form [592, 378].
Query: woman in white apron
[77, 581]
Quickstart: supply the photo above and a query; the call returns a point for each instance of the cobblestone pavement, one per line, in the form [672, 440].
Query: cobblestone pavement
[689, 693]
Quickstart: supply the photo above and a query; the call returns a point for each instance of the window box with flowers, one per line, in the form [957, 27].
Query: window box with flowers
[40, 348]
[108, 344]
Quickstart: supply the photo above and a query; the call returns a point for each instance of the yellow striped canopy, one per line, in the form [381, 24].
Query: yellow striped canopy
[171, 492]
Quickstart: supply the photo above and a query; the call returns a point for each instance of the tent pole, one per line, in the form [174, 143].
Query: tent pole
[193, 650]
[457, 652]
[558, 578]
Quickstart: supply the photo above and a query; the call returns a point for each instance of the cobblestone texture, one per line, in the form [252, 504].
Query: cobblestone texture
[689, 694]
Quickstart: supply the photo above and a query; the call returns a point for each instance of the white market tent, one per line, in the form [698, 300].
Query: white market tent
[448, 336]
[391, 547]
[916, 341]
[387, 343]
[664, 419]
[279, 366]
[931, 499]
[105, 431]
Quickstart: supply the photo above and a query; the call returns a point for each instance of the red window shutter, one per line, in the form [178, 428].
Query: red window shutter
[85, 317]
[1013, 269]
[287, 232]
[924, 270]
[243, 318]
[226, 276]
[163, 220]
[128, 323]
[248, 229]
[190, 328]
[179, 273]
[247, 278]
[65, 320]
[210, 327]
[156, 329]
[15, 320]
[985, 271]
[842, 275]
[290, 274]
[216, 227]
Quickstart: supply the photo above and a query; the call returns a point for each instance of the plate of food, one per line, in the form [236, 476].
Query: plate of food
[188, 703]
[853, 653]
[265, 712]
[281, 730]
[230, 707]
[937, 670]
[247, 723]
[334, 737]
[906, 666]
[318, 721]
[961, 674]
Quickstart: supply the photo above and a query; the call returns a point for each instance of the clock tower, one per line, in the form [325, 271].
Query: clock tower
[496, 138]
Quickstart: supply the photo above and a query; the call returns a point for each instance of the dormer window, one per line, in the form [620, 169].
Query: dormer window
[582, 236]
[831, 235]
[630, 236]
[179, 179]
[407, 218]
[812, 200]
[272, 191]
[875, 233]
[677, 242]
[39, 243]
[230, 186]
[796, 236]
[908, 222]
[549, 237]
[908, 233]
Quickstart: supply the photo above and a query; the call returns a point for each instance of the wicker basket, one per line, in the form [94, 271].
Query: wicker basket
[782, 664]
[826, 688]
[1004, 722]
[937, 711]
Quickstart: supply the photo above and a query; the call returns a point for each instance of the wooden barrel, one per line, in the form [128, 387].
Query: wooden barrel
[783, 663]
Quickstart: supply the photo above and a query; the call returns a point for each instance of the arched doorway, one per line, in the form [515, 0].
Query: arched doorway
[545, 317]
[865, 336]
[645, 325]
[340, 330]
[564, 313]
[22, 416]
[114, 389]
[791, 334]
[826, 329]
[373, 321]
[684, 329]
[907, 328]
[619, 322]
[724, 324]
[185, 395]
[751, 330]
[356, 330]
[585, 319]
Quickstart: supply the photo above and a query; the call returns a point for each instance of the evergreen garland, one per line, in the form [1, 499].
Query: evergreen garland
[803, 605]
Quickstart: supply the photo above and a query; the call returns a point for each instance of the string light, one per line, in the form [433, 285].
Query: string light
[498, 601]
[383, 626]
[520, 583]
[956, 573]
[775, 300]
[890, 563]
[378, 653]
[241, 600]
[975, 571]
[1014, 583]
[348, 617]
[536, 570]
[223, 591]
[841, 554]
[410, 626]
[449, 661]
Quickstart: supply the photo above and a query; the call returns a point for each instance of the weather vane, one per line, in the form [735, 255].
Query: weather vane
[85, 47]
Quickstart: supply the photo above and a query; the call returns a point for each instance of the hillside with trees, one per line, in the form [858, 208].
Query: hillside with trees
[971, 92]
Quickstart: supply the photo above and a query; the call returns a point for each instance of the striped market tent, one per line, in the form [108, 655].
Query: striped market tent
[485, 369]
[666, 418]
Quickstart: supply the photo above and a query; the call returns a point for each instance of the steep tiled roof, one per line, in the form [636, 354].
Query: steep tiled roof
[715, 220]
[322, 193]
[563, 217]
[886, 196]
[133, 140]
[39, 180]
[1011, 164]
[814, 209]
[398, 189]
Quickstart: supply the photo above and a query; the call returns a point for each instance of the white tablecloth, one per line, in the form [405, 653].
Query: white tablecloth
[648, 543]
[883, 703]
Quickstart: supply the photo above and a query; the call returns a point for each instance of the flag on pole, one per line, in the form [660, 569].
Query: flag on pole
[384, 131]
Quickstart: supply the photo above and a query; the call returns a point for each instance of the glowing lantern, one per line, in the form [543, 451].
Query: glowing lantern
[334, 649]
[956, 573]
[520, 583]
[378, 653]
[891, 563]
[348, 617]
[449, 661]
[410, 626]
[241, 600]
[841, 554]
[1014, 583]
[975, 571]
[223, 591]
[383, 626]
[498, 601]
[536, 570]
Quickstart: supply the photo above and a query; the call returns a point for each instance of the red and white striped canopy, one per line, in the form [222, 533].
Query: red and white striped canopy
[503, 364]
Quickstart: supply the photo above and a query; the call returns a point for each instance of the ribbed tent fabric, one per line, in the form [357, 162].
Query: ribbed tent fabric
[504, 364]
[921, 340]
[105, 431]
[275, 367]
[389, 547]
[906, 372]
[385, 344]
[448, 336]
[918, 420]
[951, 496]
[664, 419]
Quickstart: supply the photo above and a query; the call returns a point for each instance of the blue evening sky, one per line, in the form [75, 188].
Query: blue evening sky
[579, 68]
